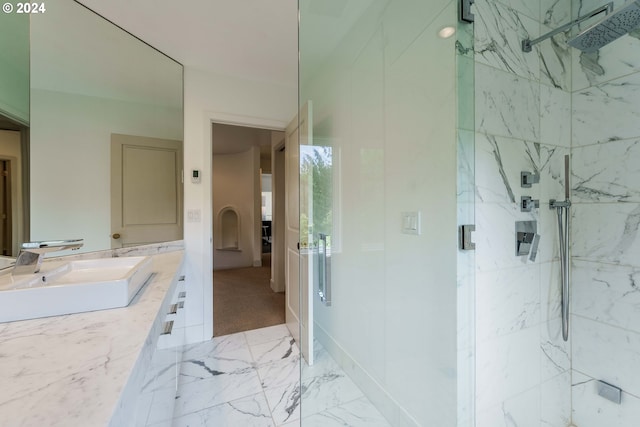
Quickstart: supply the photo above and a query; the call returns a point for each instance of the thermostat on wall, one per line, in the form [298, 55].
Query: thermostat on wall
[195, 176]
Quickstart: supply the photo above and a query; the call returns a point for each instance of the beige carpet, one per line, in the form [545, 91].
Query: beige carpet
[243, 300]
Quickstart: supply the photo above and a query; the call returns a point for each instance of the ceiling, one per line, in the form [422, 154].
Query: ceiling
[229, 139]
[251, 39]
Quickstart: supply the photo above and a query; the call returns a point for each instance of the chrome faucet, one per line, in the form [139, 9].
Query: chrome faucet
[31, 254]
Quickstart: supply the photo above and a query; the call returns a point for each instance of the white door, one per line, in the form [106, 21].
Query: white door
[299, 307]
[146, 190]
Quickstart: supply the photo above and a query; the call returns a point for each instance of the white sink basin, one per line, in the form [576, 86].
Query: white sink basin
[72, 287]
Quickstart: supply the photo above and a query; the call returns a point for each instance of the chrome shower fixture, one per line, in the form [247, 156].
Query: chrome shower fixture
[608, 29]
[612, 26]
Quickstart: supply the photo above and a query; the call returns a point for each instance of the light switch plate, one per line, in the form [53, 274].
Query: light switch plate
[193, 215]
[411, 223]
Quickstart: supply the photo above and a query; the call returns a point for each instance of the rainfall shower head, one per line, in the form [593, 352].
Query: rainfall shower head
[609, 28]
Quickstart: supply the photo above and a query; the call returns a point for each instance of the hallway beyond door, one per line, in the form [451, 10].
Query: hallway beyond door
[243, 299]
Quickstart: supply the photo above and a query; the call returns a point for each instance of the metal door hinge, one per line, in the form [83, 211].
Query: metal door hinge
[465, 237]
[465, 11]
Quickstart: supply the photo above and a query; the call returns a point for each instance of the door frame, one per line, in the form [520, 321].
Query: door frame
[210, 118]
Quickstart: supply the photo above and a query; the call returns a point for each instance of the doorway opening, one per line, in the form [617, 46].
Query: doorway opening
[14, 185]
[248, 210]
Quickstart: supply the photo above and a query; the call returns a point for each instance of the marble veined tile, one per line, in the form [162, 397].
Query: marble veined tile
[606, 293]
[219, 388]
[333, 388]
[499, 31]
[555, 61]
[263, 335]
[607, 112]
[525, 7]
[217, 346]
[555, 353]
[607, 353]
[284, 403]
[359, 413]
[251, 411]
[555, 116]
[507, 366]
[554, 13]
[506, 104]
[550, 292]
[507, 301]
[606, 232]
[204, 367]
[609, 62]
[606, 172]
[272, 351]
[521, 410]
[499, 161]
[591, 410]
[555, 401]
[279, 373]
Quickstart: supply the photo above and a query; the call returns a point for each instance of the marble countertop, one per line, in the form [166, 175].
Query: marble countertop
[72, 370]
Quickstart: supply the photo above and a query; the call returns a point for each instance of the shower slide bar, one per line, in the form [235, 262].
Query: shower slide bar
[562, 210]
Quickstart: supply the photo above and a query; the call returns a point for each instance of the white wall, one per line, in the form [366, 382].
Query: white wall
[223, 99]
[74, 132]
[233, 186]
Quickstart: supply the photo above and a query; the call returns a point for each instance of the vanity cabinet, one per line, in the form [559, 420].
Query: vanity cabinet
[158, 392]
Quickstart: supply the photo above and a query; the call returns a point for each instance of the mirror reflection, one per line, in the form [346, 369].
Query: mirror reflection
[101, 158]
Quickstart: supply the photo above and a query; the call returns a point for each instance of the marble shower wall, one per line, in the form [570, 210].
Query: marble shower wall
[606, 217]
[522, 123]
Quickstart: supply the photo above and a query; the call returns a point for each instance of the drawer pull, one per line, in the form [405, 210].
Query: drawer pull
[167, 327]
[181, 279]
[173, 309]
[181, 304]
[182, 295]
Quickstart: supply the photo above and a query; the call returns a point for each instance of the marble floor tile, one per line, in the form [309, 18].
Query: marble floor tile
[359, 413]
[217, 389]
[217, 346]
[251, 411]
[272, 351]
[232, 362]
[254, 379]
[279, 373]
[332, 388]
[284, 403]
[263, 335]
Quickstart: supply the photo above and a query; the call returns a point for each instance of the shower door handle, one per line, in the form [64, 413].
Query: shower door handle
[324, 275]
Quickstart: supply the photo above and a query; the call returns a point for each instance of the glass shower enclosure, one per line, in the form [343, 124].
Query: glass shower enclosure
[390, 84]
[430, 191]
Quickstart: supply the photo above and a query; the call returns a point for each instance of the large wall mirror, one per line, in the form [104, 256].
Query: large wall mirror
[93, 140]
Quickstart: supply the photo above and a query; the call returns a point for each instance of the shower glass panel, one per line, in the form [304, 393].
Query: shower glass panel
[386, 179]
